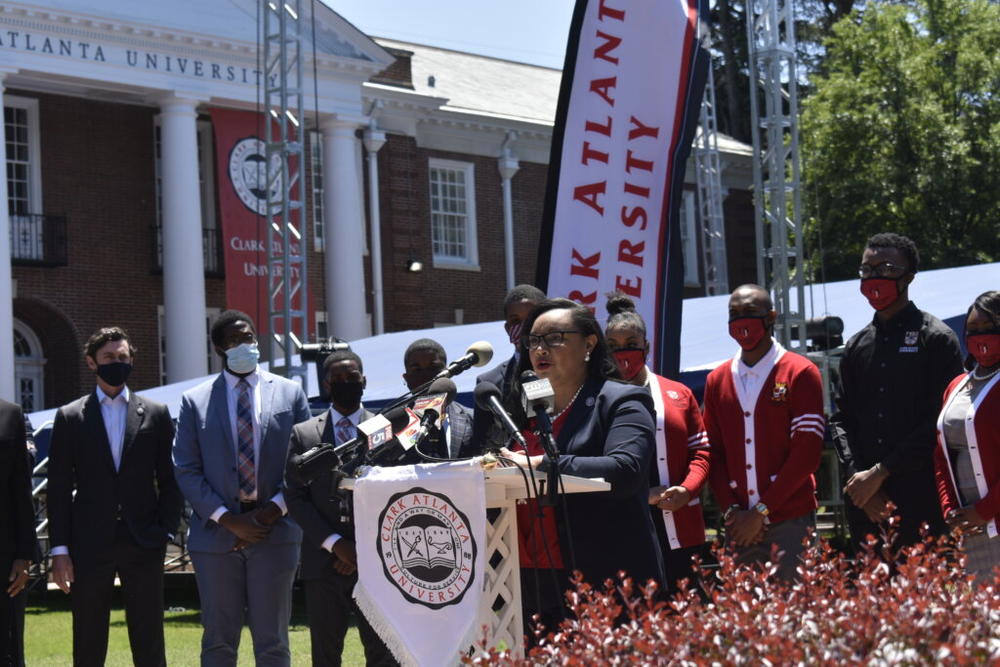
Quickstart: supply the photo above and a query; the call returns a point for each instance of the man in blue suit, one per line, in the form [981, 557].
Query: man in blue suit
[423, 360]
[229, 455]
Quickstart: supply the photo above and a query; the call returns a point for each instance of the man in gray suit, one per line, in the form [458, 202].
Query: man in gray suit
[329, 557]
[229, 454]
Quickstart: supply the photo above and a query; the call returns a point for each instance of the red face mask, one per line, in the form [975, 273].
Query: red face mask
[985, 347]
[880, 292]
[747, 331]
[514, 333]
[630, 361]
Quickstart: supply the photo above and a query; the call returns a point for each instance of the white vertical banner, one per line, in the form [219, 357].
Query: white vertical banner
[421, 538]
[627, 113]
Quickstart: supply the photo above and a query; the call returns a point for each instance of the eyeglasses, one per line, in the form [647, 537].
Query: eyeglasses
[883, 270]
[549, 339]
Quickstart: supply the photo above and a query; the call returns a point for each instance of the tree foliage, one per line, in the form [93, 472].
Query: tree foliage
[902, 133]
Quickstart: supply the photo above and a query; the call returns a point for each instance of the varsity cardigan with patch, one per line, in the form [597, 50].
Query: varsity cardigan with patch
[765, 448]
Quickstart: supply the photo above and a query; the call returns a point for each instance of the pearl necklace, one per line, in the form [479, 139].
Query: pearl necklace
[568, 405]
[984, 377]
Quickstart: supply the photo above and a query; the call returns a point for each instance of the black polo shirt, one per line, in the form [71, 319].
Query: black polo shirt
[892, 379]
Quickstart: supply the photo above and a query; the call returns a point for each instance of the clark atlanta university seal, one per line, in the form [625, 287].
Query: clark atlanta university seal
[426, 547]
[248, 174]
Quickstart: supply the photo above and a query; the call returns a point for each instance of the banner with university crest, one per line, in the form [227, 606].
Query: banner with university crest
[421, 535]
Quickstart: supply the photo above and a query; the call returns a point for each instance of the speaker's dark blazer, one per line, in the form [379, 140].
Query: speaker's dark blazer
[142, 492]
[609, 432]
[17, 520]
[316, 507]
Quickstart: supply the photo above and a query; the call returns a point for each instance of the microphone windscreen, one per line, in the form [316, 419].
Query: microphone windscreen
[398, 417]
[483, 392]
[444, 386]
[483, 351]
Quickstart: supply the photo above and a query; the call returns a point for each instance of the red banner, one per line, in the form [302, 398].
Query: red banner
[241, 175]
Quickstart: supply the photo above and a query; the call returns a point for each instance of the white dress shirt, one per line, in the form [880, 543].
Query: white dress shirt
[113, 412]
[232, 398]
[752, 377]
[336, 416]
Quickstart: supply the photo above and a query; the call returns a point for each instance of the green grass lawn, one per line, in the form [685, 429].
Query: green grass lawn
[48, 634]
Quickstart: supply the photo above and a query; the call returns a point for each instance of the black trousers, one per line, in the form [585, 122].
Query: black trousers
[916, 499]
[11, 620]
[141, 574]
[329, 605]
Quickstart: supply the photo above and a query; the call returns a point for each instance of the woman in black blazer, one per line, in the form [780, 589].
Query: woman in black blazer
[603, 428]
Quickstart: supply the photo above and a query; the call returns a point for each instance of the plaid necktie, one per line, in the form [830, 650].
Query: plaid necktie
[345, 430]
[244, 436]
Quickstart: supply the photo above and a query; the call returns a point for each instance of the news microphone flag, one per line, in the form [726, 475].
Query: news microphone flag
[628, 108]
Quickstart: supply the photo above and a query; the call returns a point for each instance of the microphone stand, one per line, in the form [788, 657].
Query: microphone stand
[544, 425]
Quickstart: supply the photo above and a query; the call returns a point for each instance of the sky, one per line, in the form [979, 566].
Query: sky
[528, 31]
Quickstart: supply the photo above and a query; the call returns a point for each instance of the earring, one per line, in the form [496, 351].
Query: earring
[587, 358]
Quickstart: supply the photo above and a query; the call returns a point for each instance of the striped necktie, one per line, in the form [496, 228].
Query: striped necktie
[244, 435]
[345, 430]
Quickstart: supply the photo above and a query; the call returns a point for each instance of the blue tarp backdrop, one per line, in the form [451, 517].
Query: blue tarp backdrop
[705, 342]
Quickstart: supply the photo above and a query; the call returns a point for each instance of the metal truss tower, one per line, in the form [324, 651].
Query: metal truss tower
[708, 169]
[285, 216]
[780, 258]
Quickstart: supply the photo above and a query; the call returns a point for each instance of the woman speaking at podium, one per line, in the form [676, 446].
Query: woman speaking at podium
[602, 428]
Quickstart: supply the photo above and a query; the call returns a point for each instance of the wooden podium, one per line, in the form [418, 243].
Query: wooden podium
[500, 609]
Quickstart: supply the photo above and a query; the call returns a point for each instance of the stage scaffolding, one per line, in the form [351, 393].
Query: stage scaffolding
[708, 170]
[777, 191]
[288, 321]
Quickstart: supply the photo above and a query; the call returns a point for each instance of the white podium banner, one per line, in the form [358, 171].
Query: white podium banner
[421, 537]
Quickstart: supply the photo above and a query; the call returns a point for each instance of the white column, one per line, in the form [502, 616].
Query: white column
[183, 261]
[7, 389]
[508, 166]
[343, 228]
[374, 140]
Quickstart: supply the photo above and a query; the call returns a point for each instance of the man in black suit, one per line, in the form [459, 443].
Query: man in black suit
[517, 305]
[113, 448]
[17, 520]
[329, 558]
[424, 359]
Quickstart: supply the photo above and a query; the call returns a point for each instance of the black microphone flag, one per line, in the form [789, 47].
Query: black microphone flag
[628, 108]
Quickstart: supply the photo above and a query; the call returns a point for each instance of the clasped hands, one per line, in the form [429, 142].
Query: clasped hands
[865, 491]
[253, 526]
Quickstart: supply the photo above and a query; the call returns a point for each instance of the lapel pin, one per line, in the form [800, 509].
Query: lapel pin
[140, 411]
[590, 401]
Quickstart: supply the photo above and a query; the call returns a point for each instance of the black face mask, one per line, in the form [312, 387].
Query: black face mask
[346, 394]
[115, 373]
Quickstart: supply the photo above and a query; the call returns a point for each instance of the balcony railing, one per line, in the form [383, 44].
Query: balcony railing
[38, 240]
[211, 245]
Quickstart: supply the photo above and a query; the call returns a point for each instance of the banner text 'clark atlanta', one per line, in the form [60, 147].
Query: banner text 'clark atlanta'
[623, 134]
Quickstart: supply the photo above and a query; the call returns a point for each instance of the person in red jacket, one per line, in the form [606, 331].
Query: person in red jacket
[680, 467]
[967, 456]
[764, 416]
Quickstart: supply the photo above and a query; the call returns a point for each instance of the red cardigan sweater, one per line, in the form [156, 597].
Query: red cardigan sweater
[982, 432]
[765, 448]
[682, 458]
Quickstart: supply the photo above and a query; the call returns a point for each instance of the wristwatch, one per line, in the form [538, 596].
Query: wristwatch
[761, 508]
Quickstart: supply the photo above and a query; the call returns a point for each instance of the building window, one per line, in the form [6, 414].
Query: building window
[321, 330]
[214, 360]
[453, 214]
[689, 239]
[316, 183]
[211, 236]
[24, 181]
[29, 366]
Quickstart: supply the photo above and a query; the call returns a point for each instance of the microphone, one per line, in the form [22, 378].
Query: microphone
[478, 354]
[390, 449]
[538, 394]
[488, 398]
[430, 408]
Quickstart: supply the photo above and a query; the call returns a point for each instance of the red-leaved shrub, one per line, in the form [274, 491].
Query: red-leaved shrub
[922, 610]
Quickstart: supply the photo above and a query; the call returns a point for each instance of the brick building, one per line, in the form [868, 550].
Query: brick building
[114, 197]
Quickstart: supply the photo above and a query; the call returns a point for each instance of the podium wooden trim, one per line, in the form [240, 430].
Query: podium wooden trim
[504, 488]
[500, 608]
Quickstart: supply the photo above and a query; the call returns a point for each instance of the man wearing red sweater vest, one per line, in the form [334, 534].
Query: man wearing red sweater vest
[764, 417]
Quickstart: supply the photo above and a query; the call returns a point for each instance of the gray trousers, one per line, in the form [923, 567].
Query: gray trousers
[253, 585]
[787, 536]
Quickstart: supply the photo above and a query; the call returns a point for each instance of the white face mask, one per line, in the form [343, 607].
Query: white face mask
[242, 359]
